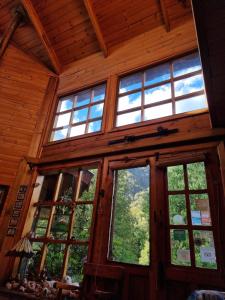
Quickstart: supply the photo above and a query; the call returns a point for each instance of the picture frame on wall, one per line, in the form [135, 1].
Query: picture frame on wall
[11, 231]
[3, 194]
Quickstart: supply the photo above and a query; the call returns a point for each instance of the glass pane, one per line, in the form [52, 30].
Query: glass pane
[60, 223]
[67, 188]
[99, 93]
[65, 104]
[40, 222]
[129, 118]
[200, 211]
[130, 228]
[196, 176]
[83, 98]
[130, 83]
[88, 185]
[48, 188]
[205, 255]
[59, 134]
[82, 221]
[177, 210]
[175, 177]
[96, 111]
[188, 85]
[190, 104]
[34, 261]
[159, 93]
[54, 260]
[94, 126]
[129, 101]
[62, 120]
[180, 251]
[157, 74]
[80, 115]
[158, 111]
[77, 130]
[77, 258]
[187, 64]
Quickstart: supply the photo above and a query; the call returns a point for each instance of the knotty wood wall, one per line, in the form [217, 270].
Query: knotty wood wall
[23, 85]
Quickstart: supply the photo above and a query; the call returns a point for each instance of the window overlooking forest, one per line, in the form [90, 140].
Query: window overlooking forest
[61, 229]
[170, 88]
[80, 113]
[191, 231]
[130, 226]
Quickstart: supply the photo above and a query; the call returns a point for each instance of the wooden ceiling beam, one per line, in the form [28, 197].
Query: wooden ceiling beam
[96, 26]
[164, 14]
[35, 20]
[6, 37]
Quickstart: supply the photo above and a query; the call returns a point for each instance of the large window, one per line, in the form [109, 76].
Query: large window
[62, 224]
[167, 89]
[79, 113]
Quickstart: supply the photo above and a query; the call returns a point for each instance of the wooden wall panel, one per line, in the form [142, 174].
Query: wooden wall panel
[23, 85]
[145, 49]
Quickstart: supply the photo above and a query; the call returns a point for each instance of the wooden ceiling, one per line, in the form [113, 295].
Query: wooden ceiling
[63, 31]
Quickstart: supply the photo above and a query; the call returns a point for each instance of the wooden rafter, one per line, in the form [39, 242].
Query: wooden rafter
[34, 18]
[165, 17]
[96, 26]
[17, 19]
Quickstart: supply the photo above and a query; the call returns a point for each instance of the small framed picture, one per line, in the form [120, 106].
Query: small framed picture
[13, 222]
[11, 231]
[16, 213]
[3, 194]
[20, 196]
[18, 204]
[22, 189]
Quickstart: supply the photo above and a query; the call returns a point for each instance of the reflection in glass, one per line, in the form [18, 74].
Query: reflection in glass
[205, 256]
[129, 101]
[80, 115]
[40, 223]
[77, 258]
[82, 221]
[190, 104]
[177, 210]
[60, 223]
[83, 98]
[62, 120]
[96, 111]
[94, 126]
[130, 83]
[157, 74]
[99, 93]
[66, 193]
[180, 250]
[65, 104]
[196, 176]
[54, 260]
[200, 211]
[77, 130]
[88, 185]
[175, 177]
[48, 188]
[159, 93]
[187, 64]
[188, 85]
[59, 134]
[158, 111]
[129, 118]
[130, 228]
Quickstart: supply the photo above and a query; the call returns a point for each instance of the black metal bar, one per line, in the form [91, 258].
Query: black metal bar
[132, 138]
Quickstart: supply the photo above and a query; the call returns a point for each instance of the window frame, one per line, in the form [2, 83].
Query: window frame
[172, 100]
[73, 94]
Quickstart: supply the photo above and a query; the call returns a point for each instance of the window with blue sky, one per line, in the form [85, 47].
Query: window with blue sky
[171, 88]
[80, 113]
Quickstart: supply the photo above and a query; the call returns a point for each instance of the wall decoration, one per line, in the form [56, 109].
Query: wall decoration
[179, 235]
[3, 194]
[11, 231]
[183, 255]
[208, 254]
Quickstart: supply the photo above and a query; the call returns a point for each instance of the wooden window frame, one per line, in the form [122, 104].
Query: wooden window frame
[142, 89]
